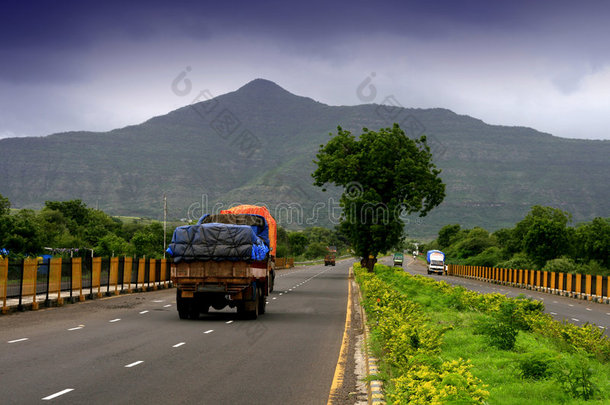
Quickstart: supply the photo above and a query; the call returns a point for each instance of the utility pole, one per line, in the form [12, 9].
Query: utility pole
[164, 223]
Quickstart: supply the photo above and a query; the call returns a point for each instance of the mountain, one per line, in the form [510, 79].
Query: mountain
[257, 145]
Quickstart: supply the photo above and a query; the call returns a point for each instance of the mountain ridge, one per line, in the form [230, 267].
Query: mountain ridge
[257, 144]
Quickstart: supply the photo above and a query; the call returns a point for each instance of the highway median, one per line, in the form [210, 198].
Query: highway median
[442, 344]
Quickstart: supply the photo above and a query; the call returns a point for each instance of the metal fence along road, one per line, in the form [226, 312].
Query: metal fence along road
[581, 286]
[32, 282]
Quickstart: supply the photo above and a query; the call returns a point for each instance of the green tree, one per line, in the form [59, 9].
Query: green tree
[315, 250]
[149, 241]
[5, 220]
[5, 206]
[113, 245]
[74, 210]
[282, 242]
[297, 242]
[384, 174]
[544, 234]
[447, 234]
[592, 241]
[24, 236]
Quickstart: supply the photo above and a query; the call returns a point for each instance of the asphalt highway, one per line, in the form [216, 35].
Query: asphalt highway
[134, 348]
[572, 310]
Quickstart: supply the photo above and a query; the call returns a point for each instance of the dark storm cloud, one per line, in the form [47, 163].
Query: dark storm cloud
[82, 58]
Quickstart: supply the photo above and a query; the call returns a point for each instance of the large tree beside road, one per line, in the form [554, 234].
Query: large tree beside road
[385, 175]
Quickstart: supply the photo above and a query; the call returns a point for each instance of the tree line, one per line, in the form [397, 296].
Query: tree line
[542, 240]
[72, 228]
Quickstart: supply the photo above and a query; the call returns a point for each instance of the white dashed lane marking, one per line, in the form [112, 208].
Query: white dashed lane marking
[114, 320]
[135, 363]
[208, 331]
[553, 313]
[228, 322]
[77, 327]
[57, 394]
[18, 340]
[179, 344]
[143, 312]
[167, 306]
[576, 320]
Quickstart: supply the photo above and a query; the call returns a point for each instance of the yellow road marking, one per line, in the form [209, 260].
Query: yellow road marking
[340, 369]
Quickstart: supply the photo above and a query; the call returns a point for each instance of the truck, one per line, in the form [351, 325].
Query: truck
[436, 261]
[225, 260]
[398, 258]
[329, 259]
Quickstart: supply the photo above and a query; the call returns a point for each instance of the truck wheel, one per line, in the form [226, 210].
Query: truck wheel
[182, 305]
[253, 314]
[272, 280]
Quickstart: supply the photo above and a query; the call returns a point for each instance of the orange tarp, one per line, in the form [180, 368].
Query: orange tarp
[262, 211]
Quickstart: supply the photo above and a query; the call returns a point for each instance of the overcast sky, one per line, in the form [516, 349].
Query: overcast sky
[76, 66]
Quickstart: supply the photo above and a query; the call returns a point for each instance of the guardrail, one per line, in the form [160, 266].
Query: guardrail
[284, 262]
[581, 286]
[30, 282]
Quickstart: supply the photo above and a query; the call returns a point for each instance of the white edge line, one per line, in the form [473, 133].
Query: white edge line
[50, 397]
[18, 340]
[135, 363]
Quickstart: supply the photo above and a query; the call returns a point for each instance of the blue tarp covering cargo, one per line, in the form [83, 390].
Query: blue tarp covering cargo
[221, 237]
[439, 254]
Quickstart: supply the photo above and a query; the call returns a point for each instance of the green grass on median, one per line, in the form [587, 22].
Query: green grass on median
[441, 344]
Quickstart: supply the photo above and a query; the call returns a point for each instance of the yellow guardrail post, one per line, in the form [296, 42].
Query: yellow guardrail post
[127, 268]
[141, 273]
[114, 274]
[77, 277]
[152, 273]
[55, 279]
[545, 285]
[3, 282]
[588, 287]
[578, 285]
[28, 283]
[599, 287]
[96, 275]
[164, 272]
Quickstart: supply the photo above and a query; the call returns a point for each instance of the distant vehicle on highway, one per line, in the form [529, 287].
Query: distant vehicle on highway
[436, 261]
[329, 259]
[398, 259]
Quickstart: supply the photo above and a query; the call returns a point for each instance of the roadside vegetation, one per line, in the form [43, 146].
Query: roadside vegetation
[441, 344]
[543, 240]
